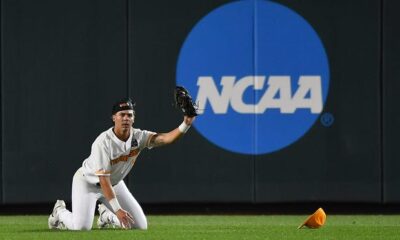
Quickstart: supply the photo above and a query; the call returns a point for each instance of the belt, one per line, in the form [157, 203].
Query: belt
[98, 184]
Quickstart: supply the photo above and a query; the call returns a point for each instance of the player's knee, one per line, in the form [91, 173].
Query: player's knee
[82, 227]
[142, 225]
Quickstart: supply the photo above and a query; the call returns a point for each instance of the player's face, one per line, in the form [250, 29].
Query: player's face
[123, 120]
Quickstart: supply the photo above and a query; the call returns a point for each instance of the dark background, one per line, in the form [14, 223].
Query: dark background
[64, 63]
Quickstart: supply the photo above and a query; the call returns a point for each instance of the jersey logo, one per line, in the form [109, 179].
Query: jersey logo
[124, 158]
[134, 143]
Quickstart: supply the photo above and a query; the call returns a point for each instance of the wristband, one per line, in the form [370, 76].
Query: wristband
[183, 128]
[115, 204]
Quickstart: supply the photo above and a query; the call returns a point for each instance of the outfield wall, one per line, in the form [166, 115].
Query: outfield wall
[63, 63]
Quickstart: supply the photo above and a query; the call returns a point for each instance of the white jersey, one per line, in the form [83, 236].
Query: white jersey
[112, 157]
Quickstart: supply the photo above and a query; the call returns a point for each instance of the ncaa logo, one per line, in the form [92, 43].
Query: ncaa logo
[259, 74]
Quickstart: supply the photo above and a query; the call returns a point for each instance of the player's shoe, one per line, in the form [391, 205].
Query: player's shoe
[105, 220]
[54, 221]
[101, 221]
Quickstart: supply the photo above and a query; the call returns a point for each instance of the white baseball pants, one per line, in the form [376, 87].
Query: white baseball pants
[84, 197]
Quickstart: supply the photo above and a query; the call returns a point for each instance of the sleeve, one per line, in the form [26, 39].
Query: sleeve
[146, 137]
[101, 157]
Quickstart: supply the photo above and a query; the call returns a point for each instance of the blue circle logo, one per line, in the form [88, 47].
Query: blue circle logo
[258, 72]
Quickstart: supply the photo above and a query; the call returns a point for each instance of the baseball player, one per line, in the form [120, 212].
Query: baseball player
[100, 178]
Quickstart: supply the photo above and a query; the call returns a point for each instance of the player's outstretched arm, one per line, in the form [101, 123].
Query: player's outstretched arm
[161, 139]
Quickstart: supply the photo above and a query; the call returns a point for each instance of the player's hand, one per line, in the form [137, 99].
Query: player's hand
[188, 120]
[125, 219]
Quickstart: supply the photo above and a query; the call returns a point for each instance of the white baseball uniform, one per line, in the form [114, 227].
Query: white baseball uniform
[109, 157]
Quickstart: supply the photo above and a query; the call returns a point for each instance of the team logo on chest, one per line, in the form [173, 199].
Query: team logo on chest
[124, 158]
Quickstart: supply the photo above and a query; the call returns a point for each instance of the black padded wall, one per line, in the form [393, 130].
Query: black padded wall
[318, 167]
[391, 112]
[340, 162]
[64, 63]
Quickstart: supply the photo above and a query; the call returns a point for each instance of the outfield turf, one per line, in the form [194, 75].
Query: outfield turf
[216, 227]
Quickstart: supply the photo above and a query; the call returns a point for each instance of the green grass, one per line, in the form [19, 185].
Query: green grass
[216, 227]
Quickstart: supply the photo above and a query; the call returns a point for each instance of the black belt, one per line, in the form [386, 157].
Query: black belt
[98, 184]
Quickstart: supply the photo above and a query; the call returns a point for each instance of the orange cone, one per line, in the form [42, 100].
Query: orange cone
[315, 220]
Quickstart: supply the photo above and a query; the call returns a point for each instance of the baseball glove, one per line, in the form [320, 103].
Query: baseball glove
[183, 100]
